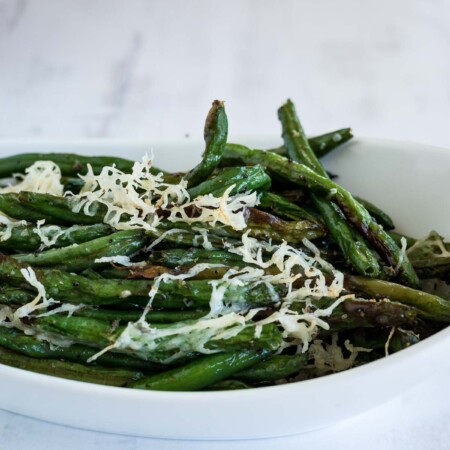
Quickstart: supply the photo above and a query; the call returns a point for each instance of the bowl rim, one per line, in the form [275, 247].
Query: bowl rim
[80, 387]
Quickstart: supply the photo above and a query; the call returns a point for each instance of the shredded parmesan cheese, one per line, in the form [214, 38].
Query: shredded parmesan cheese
[40, 301]
[402, 254]
[7, 225]
[10, 318]
[388, 341]
[122, 260]
[328, 357]
[203, 235]
[42, 177]
[180, 339]
[134, 200]
[65, 308]
[123, 194]
[228, 210]
[432, 244]
[48, 235]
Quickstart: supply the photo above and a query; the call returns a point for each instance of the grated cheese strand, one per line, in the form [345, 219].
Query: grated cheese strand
[48, 235]
[402, 254]
[388, 341]
[140, 196]
[121, 260]
[9, 225]
[43, 177]
[328, 357]
[228, 210]
[10, 318]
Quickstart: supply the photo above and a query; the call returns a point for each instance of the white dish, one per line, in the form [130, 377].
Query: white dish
[410, 181]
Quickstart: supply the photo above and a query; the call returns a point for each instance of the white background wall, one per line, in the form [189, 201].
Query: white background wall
[135, 68]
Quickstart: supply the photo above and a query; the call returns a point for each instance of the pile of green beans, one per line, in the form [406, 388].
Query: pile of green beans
[385, 309]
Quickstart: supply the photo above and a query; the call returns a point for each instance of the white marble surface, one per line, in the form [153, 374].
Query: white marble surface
[78, 68]
[416, 420]
[150, 68]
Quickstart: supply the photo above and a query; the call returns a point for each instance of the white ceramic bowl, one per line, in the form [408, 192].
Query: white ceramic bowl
[410, 181]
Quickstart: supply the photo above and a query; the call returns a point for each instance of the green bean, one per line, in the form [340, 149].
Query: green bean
[397, 237]
[283, 208]
[265, 226]
[227, 385]
[353, 247]
[216, 131]
[351, 243]
[30, 346]
[10, 295]
[71, 371]
[260, 225]
[295, 140]
[54, 210]
[100, 334]
[73, 185]
[361, 313]
[275, 368]
[402, 339]
[111, 272]
[427, 305]
[243, 179]
[83, 256]
[430, 256]
[203, 372]
[381, 217]
[434, 271]
[171, 294]
[299, 150]
[73, 288]
[368, 313]
[184, 257]
[91, 274]
[131, 316]
[70, 164]
[379, 339]
[180, 235]
[323, 144]
[26, 239]
[57, 209]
